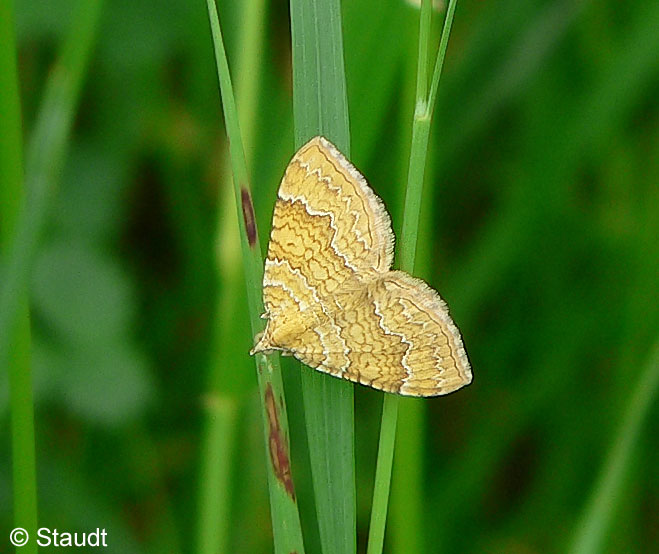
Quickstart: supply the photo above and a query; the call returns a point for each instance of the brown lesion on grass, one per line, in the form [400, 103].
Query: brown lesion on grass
[278, 446]
[248, 216]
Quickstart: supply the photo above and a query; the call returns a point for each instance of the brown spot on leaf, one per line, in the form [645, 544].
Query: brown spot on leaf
[278, 447]
[248, 216]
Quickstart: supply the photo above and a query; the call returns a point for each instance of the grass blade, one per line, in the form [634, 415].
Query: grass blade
[600, 510]
[321, 107]
[283, 503]
[407, 251]
[19, 367]
[224, 394]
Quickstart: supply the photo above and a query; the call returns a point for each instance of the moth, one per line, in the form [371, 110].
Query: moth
[331, 298]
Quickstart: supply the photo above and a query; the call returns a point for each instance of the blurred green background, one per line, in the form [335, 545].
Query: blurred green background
[539, 228]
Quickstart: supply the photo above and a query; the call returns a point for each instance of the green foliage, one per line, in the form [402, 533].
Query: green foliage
[538, 226]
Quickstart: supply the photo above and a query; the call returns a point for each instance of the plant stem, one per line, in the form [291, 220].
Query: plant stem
[441, 54]
[383, 474]
[407, 253]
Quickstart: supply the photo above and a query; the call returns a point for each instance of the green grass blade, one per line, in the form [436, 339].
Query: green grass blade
[407, 253]
[408, 482]
[224, 391]
[320, 107]
[383, 474]
[320, 102]
[441, 54]
[598, 514]
[217, 452]
[44, 160]
[19, 366]
[283, 503]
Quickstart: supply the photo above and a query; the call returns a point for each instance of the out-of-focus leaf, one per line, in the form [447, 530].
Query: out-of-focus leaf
[109, 385]
[82, 295]
[88, 206]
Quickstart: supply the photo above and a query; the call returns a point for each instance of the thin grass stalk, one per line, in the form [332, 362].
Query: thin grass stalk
[320, 107]
[406, 532]
[222, 405]
[441, 55]
[405, 516]
[44, 160]
[24, 478]
[283, 503]
[424, 108]
[595, 521]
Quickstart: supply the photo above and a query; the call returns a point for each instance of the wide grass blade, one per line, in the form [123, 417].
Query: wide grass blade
[321, 108]
[283, 503]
